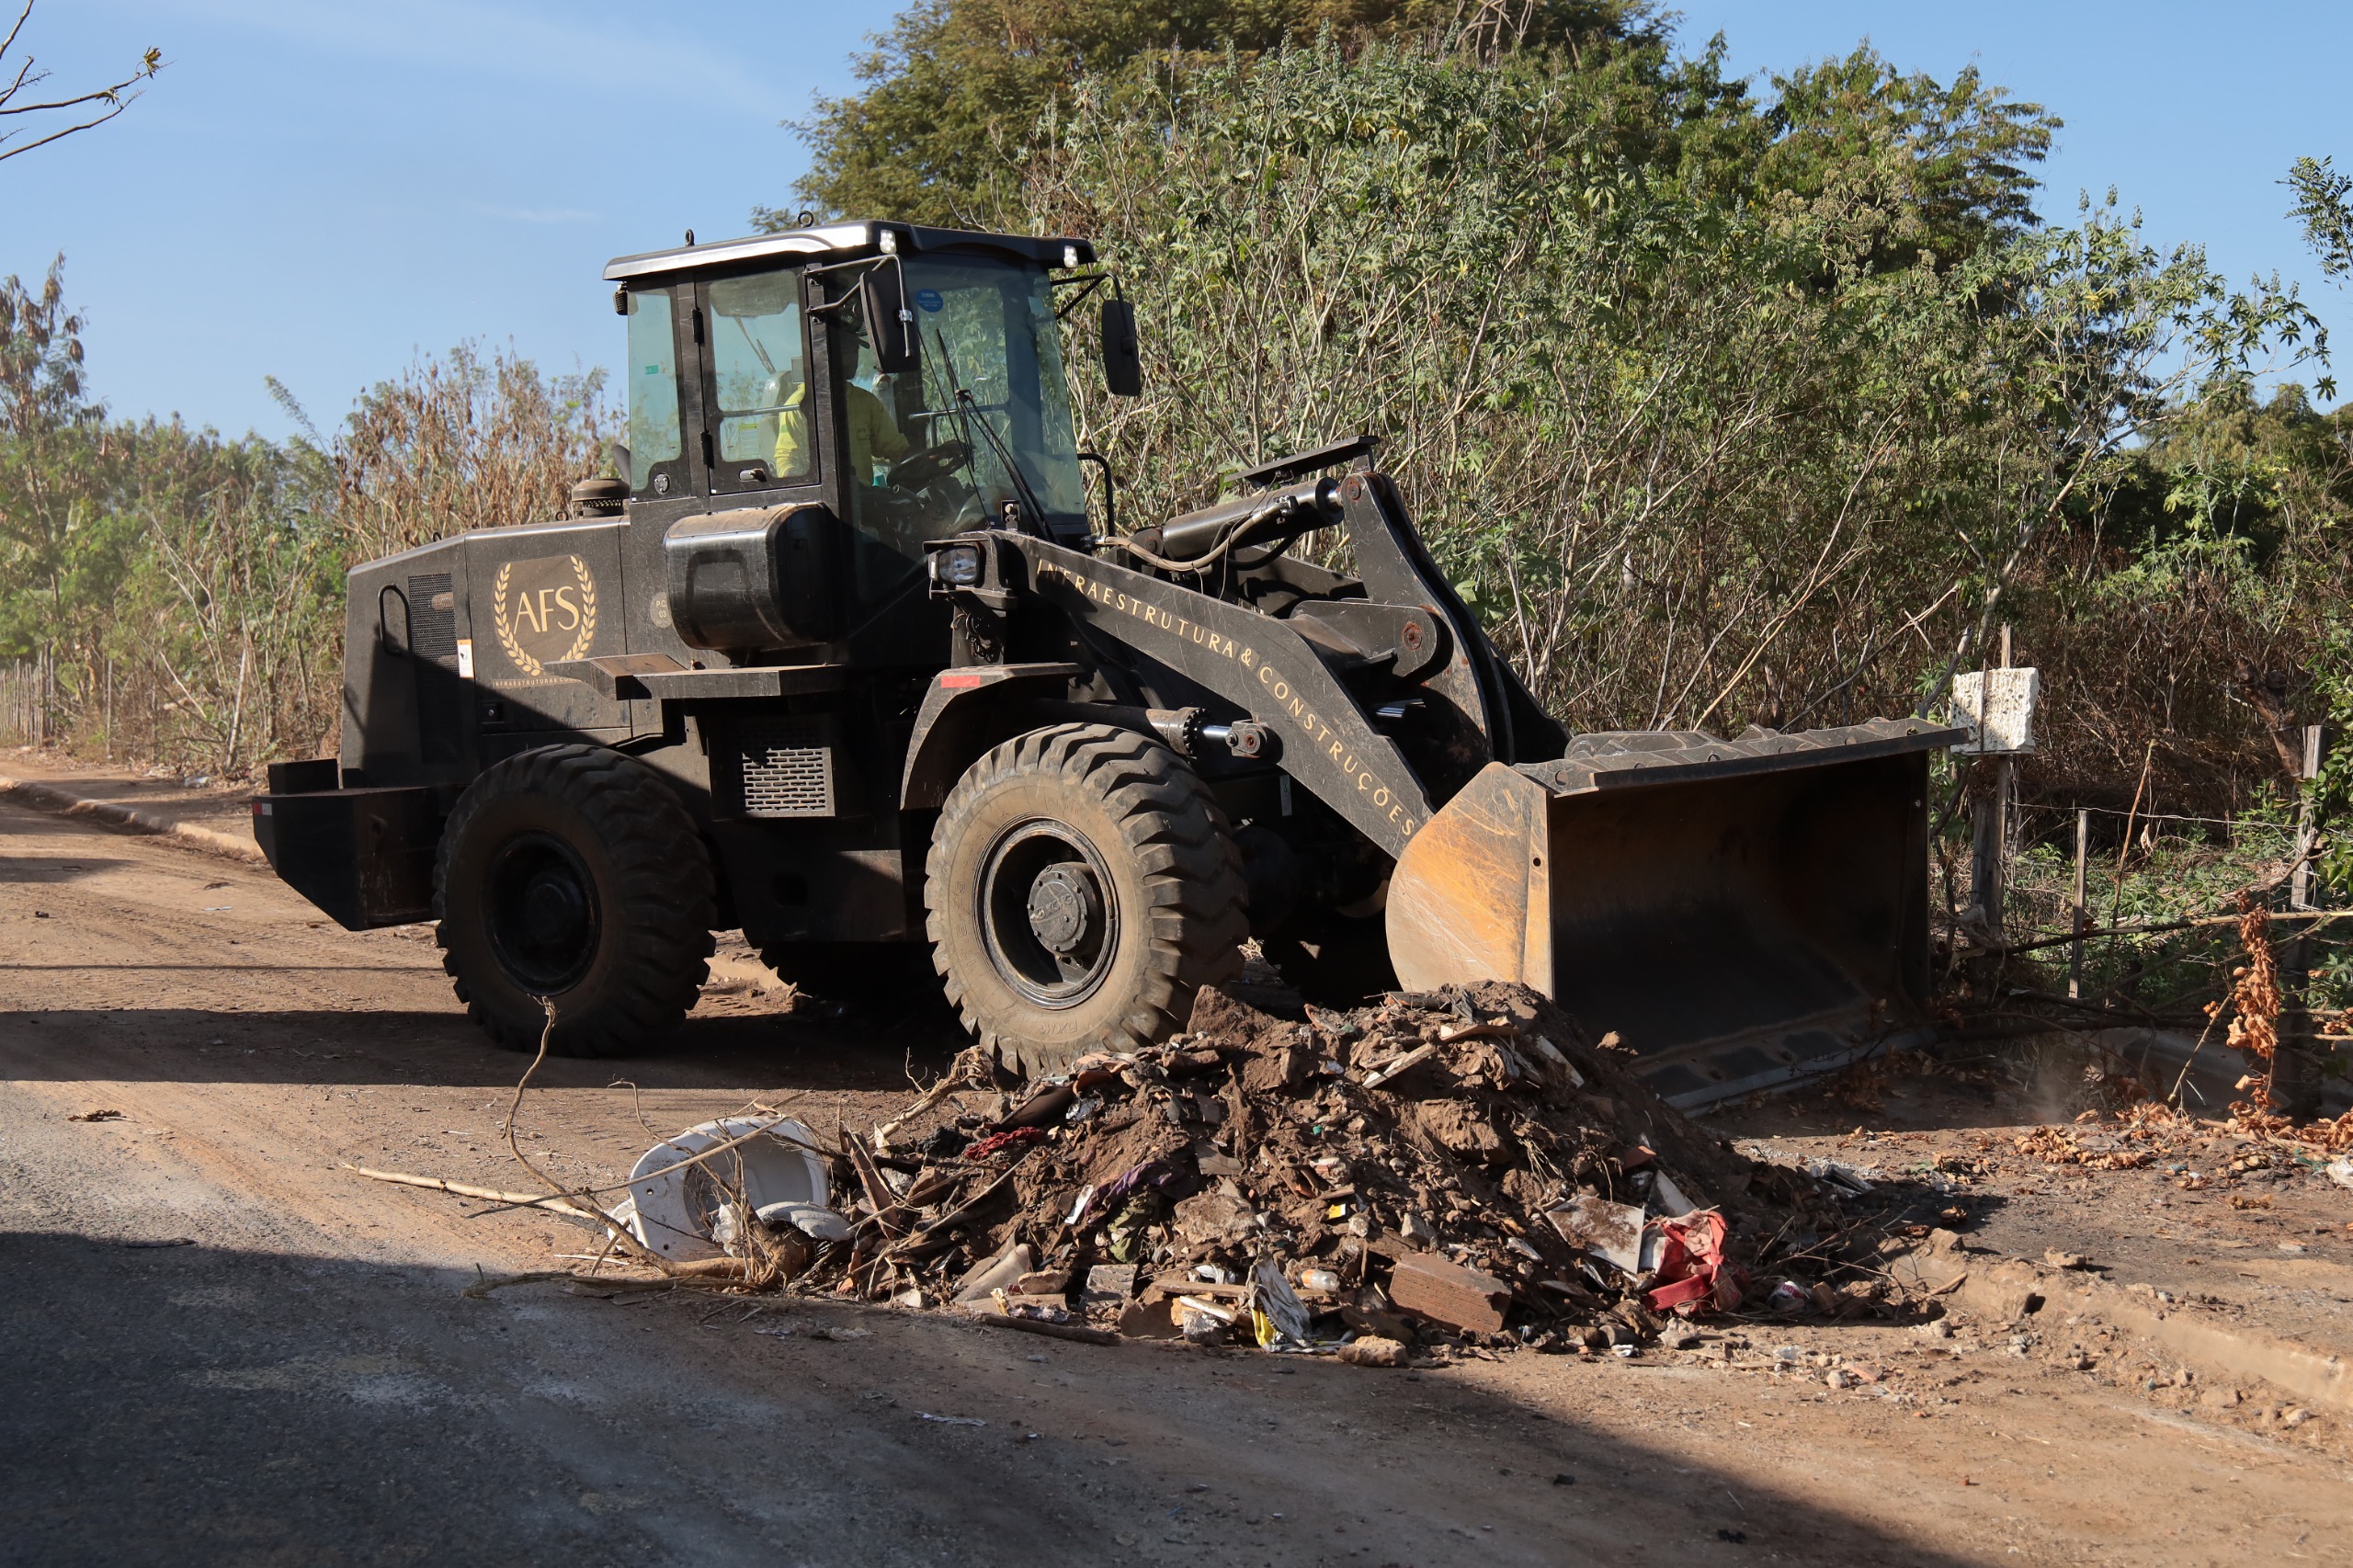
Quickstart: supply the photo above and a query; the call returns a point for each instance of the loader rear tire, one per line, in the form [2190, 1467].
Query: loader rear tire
[1083, 884]
[574, 872]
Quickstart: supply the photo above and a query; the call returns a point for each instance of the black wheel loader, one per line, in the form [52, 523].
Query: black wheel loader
[849, 658]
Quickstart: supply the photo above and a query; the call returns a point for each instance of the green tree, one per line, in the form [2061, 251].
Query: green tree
[45, 419]
[1963, 152]
[2323, 209]
[1699, 443]
[187, 589]
[953, 92]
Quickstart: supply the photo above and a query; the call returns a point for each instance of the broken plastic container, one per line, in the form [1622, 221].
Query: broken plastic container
[678, 1206]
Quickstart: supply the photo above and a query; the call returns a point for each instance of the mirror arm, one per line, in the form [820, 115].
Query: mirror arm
[1087, 285]
[864, 265]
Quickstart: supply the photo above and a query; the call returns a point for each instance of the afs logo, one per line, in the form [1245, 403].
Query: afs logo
[545, 610]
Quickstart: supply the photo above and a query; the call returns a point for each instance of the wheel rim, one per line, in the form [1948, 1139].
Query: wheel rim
[541, 908]
[1048, 913]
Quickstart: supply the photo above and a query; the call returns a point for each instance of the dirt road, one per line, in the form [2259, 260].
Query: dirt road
[226, 1349]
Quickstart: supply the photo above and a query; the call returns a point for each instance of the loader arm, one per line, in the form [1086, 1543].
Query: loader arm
[1261, 666]
[1739, 912]
[1395, 567]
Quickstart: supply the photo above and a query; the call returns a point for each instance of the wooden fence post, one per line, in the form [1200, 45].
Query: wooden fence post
[2300, 880]
[2077, 921]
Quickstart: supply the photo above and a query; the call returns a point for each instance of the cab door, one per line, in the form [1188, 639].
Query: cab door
[761, 404]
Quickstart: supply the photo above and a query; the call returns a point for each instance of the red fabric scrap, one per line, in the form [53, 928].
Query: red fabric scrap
[1693, 1273]
[1019, 1138]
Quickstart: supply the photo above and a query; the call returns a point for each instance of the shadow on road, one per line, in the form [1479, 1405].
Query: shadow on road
[31, 869]
[199, 1045]
[201, 1404]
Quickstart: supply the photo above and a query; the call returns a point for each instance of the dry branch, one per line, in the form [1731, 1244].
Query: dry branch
[555, 1202]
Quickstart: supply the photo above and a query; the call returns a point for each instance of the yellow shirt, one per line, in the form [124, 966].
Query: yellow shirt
[871, 434]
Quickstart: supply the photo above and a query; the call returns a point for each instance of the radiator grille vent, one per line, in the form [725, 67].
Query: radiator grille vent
[432, 618]
[788, 770]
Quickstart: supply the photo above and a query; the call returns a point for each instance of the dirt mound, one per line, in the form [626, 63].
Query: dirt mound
[1460, 1161]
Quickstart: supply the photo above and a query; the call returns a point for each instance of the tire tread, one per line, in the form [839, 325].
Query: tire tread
[1175, 832]
[663, 874]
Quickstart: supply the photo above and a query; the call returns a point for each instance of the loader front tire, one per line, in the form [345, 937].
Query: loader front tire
[572, 872]
[1083, 884]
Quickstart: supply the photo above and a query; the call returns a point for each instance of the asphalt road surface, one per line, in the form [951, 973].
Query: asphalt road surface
[226, 1347]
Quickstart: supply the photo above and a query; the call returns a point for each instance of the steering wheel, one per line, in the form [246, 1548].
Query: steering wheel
[919, 470]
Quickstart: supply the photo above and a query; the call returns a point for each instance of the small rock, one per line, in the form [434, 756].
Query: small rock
[1373, 1351]
[2058, 1259]
[1839, 1378]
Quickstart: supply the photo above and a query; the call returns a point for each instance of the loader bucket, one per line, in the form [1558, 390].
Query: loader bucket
[1741, 913]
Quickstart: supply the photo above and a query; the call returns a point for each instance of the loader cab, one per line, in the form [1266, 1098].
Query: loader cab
[907, 381]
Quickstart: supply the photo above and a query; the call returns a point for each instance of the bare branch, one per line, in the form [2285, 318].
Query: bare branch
[116, 95]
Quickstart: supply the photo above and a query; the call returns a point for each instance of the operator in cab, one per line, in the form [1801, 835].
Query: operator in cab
[872, 437]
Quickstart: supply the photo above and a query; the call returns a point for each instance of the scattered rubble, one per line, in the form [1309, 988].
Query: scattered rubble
[1457, 1167]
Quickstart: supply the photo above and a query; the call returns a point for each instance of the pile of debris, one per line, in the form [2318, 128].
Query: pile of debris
[1455, 1163]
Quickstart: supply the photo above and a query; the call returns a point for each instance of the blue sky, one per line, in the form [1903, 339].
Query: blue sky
[321, 191]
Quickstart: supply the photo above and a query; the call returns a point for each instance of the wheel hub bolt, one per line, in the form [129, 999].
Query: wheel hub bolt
[552, 912]
[1064, 907]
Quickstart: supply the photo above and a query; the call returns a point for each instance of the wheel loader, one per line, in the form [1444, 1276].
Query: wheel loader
[851, 655]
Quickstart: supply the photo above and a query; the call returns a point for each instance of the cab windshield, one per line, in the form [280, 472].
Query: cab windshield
[985, 422]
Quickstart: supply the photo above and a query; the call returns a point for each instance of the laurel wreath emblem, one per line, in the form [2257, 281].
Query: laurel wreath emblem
[581, 639]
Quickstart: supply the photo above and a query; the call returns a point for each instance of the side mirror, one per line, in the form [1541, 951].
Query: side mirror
[890, 325]
[1122, 355]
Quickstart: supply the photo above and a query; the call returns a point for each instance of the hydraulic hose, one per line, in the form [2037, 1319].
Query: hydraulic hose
[1198, 539]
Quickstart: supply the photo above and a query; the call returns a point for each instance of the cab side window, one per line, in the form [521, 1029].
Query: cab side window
[652, 376]
[760, 375]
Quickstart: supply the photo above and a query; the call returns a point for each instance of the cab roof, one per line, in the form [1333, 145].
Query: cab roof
[843, 241]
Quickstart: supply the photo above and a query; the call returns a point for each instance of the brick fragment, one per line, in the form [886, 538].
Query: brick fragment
[1428, 1286]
